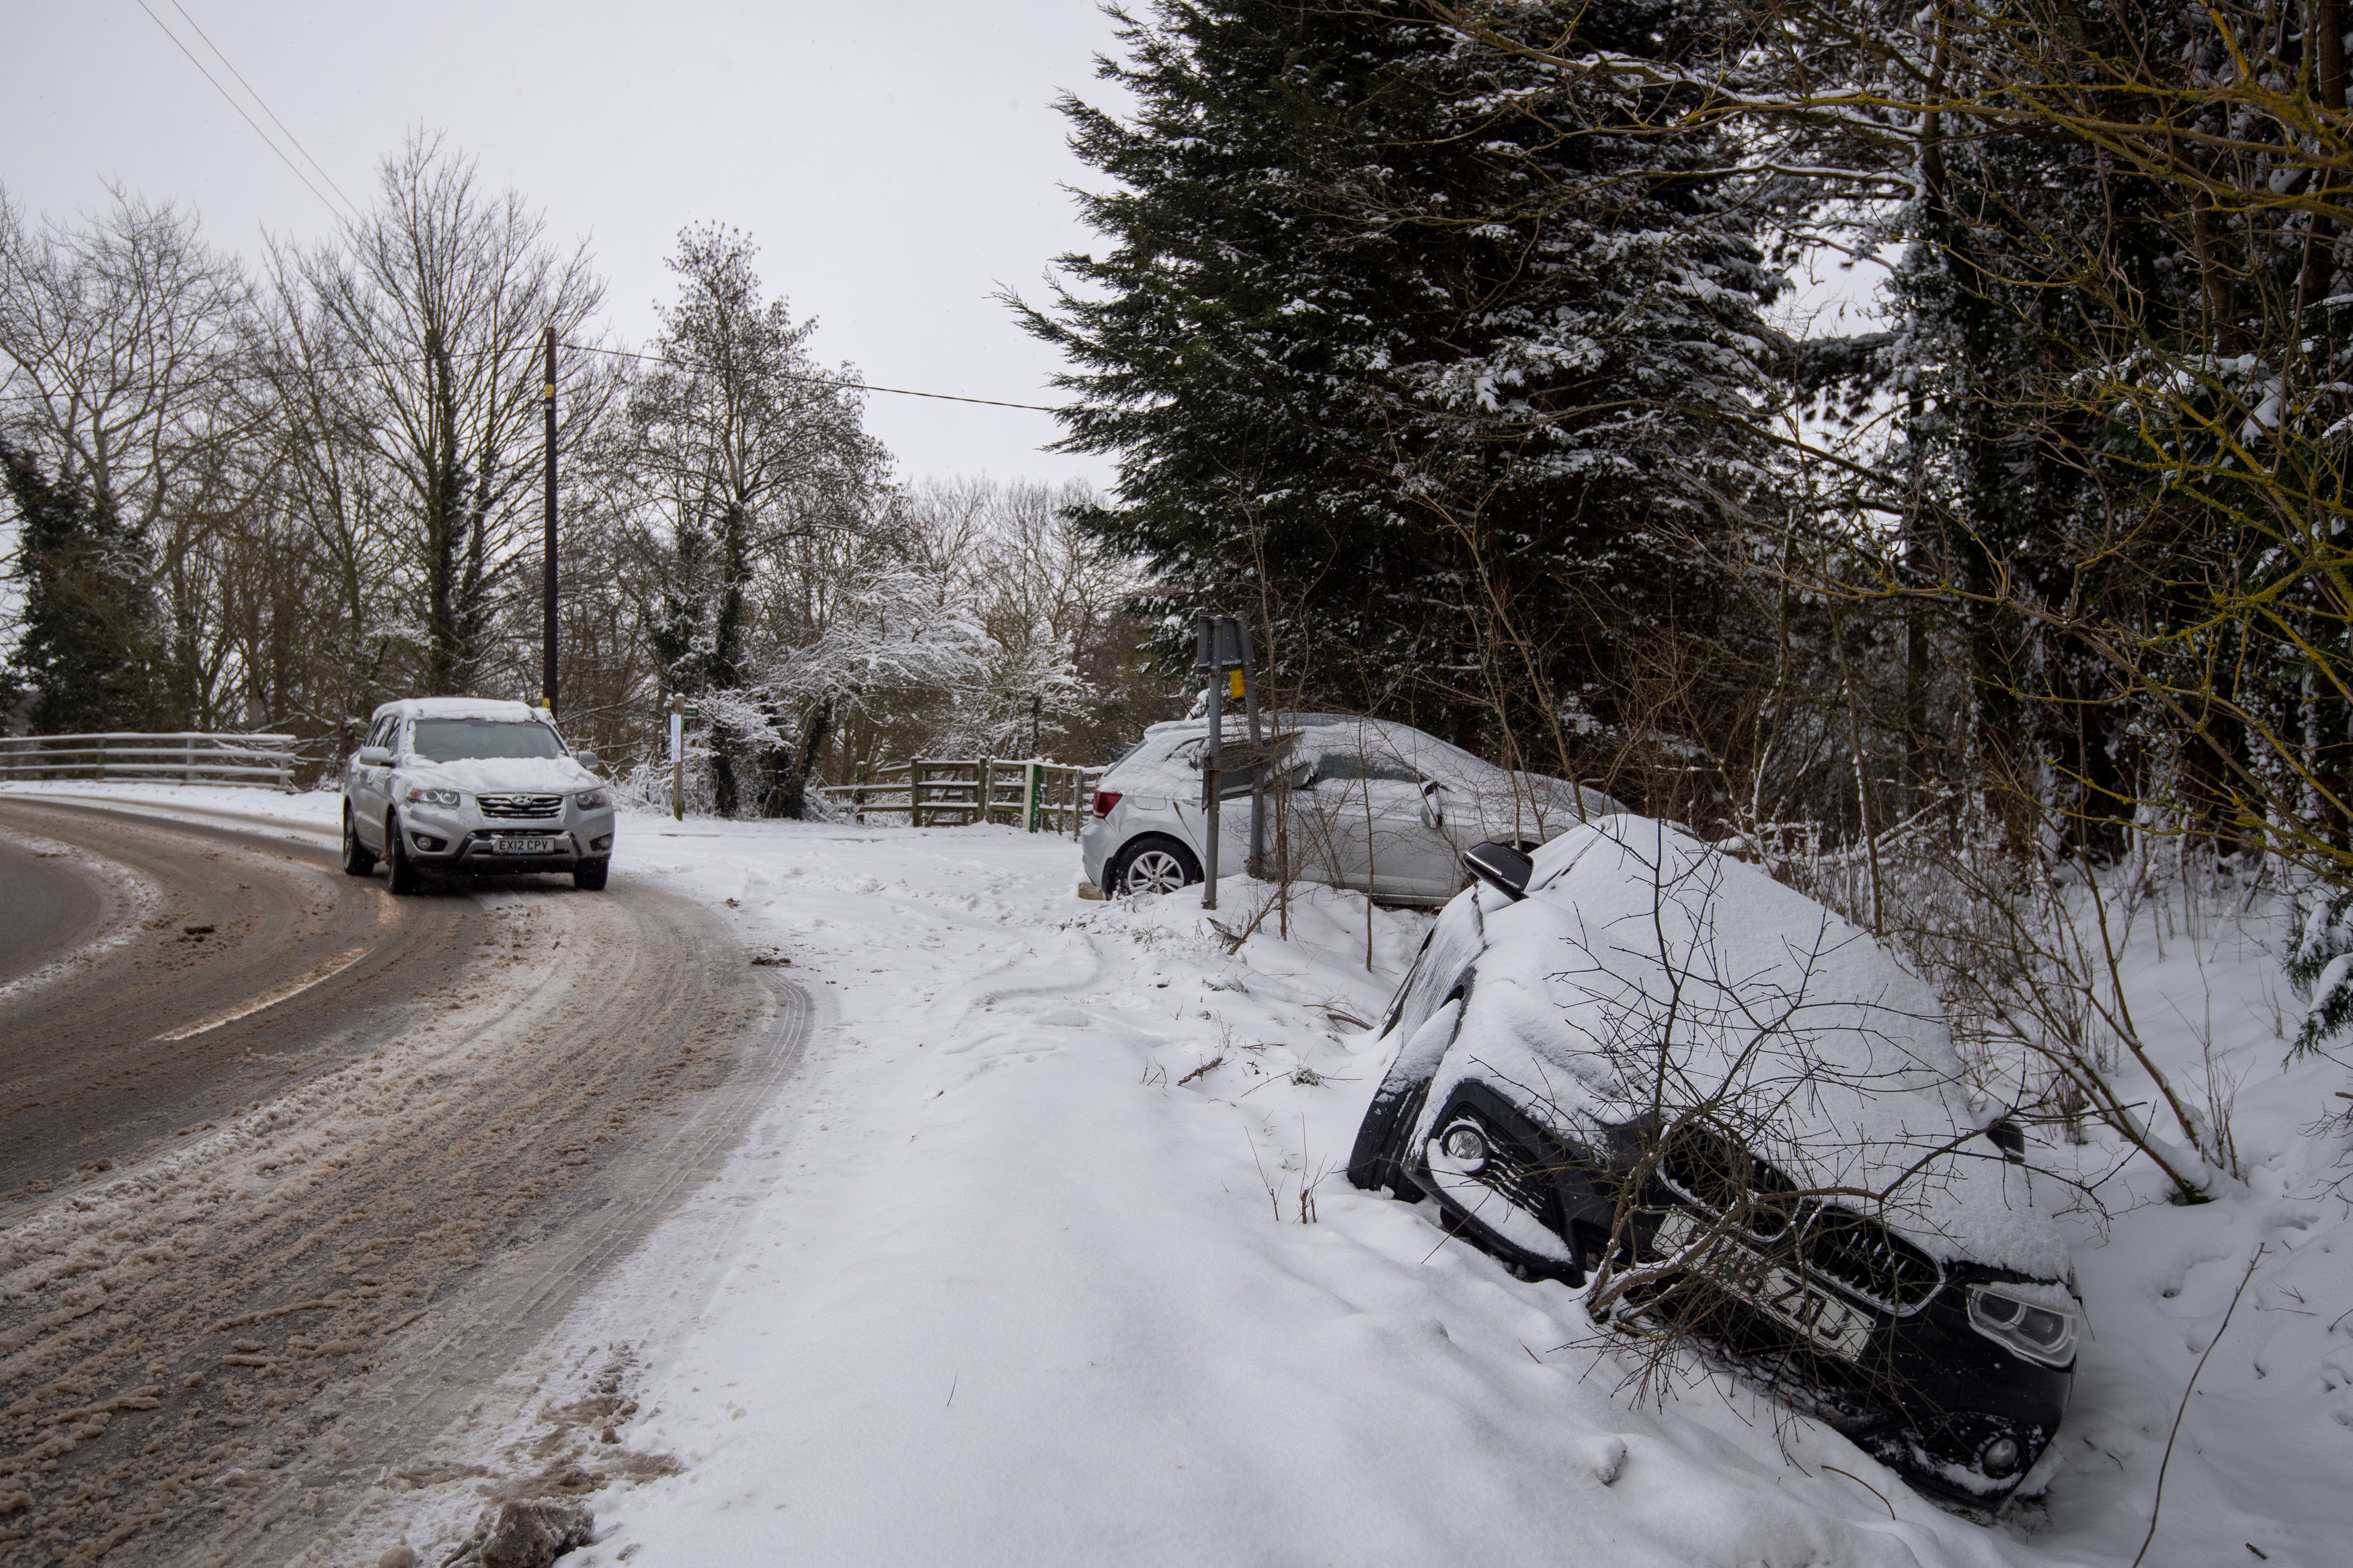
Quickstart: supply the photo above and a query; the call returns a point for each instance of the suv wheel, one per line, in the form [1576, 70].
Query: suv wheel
[1153, 864]
[403, 877]
[357, 859]
[589, 876]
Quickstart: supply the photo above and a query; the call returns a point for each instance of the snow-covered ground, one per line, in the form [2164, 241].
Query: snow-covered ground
[1047, 1256]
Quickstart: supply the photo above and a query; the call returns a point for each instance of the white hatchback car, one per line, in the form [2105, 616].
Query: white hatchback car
[1357, 803]
[466, 784]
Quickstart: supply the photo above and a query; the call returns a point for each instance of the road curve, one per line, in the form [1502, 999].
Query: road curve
[48, 907]
[249, 1268]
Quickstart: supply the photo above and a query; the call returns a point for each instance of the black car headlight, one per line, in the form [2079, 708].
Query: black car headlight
[419, 795]
[2035, 1329]
[593, 799]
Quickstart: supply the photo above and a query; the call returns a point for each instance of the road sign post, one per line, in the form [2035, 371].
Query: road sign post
[1222, 656]
[677, 758]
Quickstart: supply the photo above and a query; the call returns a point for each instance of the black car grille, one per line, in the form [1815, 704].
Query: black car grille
[521, 806]
[1723, 1178]
[1720, 1178]
[1871, 1260]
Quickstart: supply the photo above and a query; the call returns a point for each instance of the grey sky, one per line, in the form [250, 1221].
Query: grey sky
[895, 163]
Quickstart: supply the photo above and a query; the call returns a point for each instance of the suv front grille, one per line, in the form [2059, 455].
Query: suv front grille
[521, 806]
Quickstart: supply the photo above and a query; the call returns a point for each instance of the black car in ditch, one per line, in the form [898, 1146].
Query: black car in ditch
[1637, 1065]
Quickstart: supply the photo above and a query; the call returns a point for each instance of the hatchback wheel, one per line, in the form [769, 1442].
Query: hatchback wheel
[1155, 865]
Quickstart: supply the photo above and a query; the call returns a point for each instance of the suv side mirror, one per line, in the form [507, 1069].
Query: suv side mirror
[1501, 867]
[1303, 775]
[584, 757]
[1433, 810]
[374, 757]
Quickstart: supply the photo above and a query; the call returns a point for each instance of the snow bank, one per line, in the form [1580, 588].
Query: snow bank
[1025, 1275]
[1015, 1272]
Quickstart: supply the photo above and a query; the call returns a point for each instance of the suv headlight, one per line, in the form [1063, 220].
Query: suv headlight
[2035, 1330]
[419, 795]
[592, 799]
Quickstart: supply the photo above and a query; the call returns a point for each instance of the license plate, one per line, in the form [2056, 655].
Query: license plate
[1778, 1292]
[524, 845]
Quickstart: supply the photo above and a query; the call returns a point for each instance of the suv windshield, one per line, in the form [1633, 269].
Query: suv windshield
[459, 740]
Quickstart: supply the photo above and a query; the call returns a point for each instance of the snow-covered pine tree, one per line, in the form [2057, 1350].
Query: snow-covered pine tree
[1440, 364]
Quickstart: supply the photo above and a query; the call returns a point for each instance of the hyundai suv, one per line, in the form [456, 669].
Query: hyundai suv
[460, 785]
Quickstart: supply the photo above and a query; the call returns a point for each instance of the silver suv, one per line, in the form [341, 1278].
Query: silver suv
[465, 784]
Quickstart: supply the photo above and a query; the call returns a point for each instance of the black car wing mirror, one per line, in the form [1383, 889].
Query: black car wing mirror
[1501, 867]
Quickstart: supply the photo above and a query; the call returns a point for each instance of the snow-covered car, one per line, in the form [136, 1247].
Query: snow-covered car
[1632, 1064]
[1380, 807]
[471, 785]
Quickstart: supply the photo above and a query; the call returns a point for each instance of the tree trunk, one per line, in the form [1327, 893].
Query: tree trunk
[792, 800]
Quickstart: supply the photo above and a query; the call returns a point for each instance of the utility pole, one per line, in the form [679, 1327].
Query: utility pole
[547, 674]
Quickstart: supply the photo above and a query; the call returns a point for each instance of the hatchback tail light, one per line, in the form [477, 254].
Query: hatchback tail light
[1104, 800]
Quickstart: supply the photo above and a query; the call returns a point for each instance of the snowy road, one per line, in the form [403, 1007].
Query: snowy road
[285, 1195]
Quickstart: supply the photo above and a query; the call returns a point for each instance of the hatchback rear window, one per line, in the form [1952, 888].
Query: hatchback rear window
[459, 740]
[1355, 765]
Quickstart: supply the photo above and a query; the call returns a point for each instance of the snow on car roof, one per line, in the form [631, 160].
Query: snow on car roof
[461, 708]
[1644, 958]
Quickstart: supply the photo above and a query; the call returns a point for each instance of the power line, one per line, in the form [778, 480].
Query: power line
[349, 204]
[242, 114]
[830, 381]
[525, 351]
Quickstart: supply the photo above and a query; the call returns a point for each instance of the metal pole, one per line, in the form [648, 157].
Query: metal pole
[1212, 759]
[547, 677]
[1256, 865]
[677, 758]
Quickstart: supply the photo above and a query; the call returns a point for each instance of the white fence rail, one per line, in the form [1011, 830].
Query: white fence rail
[264, 762]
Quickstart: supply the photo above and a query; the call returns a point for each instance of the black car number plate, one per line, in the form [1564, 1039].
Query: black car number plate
[1780, 1293]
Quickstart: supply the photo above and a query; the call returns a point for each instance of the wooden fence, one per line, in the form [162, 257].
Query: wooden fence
[1044, 797]
[263, 761]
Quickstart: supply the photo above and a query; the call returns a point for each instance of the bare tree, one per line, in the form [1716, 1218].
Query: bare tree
[115, 335]
[434, 305]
